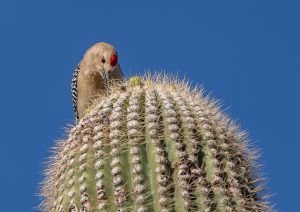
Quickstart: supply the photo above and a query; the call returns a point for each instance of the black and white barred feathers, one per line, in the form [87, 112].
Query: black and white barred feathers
[74, 91]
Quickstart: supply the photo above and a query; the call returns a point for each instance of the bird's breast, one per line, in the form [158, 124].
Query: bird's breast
[89, 86]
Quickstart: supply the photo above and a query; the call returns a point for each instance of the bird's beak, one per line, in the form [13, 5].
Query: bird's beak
[106, 77]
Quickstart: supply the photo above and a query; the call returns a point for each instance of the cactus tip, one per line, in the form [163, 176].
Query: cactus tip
[135, 81]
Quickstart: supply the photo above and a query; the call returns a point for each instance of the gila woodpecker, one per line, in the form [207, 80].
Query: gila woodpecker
[92, 75]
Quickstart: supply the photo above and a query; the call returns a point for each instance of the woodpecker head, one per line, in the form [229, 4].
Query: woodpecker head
[102, 59]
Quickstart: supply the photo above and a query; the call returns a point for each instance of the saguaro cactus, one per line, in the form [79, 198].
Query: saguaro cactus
[155, 146]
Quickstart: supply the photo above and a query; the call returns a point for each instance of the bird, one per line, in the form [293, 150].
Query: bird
[97, 69]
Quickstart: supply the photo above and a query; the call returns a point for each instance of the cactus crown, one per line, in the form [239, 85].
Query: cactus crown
[155, 146]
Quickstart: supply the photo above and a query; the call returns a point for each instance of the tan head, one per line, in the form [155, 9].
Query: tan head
[101, 58]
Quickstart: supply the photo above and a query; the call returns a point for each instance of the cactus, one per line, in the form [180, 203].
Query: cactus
[156, 145]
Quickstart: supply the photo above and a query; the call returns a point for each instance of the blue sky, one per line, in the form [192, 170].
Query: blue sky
[245, 53]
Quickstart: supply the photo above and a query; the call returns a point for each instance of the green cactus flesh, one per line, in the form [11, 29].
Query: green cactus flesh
[156, 147]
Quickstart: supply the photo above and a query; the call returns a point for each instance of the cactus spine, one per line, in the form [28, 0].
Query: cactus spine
[154, 147]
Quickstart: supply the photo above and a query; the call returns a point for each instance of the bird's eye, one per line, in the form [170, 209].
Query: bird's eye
[113, 60]
[103, 60]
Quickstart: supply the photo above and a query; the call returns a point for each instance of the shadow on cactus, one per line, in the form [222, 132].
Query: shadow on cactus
[153, 145]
